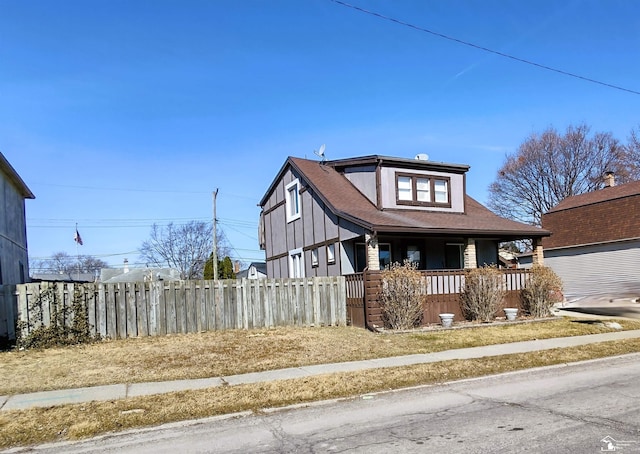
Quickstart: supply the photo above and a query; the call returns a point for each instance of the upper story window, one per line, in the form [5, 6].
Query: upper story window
[423, 190]
[292, 193]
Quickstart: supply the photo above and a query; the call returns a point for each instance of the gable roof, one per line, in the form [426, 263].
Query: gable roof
[14, 178]
[599, 196]
[346, 201]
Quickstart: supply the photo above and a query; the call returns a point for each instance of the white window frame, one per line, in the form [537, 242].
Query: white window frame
[331, 253]
[296, 263]
[405, 188]
[314, 257]
[437, 193]
[292, 205]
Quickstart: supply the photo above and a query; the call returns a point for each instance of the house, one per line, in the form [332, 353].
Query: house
[63, 277]
[595, 245]
[256, 270]
[147, 274]
[339, 217]
[14, 260]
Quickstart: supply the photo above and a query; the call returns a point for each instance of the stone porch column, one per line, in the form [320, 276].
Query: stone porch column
[470, 260]
[538, 252]
[373, 252]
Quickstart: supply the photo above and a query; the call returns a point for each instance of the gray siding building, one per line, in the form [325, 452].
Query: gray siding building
[14, 259]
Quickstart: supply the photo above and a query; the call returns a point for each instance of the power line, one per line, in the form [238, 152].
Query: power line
[156, 191]
[485, 49]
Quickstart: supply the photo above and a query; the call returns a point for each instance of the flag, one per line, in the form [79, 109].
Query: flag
[77, 238]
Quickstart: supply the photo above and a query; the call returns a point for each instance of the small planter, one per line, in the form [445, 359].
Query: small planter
[511, 313]
[446, 320]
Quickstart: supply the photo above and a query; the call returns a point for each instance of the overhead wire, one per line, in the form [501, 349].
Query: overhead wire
[483, 48]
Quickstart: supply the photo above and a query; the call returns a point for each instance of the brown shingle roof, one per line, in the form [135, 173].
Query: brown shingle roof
[602, 195]
[344, 199]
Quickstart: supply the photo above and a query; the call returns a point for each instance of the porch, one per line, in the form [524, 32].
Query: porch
[427, 252]
[442, 295]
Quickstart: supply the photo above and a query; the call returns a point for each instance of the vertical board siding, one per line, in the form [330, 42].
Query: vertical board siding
[156, 308]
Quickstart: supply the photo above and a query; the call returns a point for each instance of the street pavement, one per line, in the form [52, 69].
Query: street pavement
[584, 407]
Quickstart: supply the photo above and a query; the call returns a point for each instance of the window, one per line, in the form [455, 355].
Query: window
[384, 256]
[296, 264]
[413, 255]
[314, 257]
[293, 200]
[405, 191]
[331, 253]
[441, 191]
[454, 256]
[422, 190]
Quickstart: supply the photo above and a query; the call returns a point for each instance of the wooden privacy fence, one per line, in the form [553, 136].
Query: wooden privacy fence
[122, 310]
[7, 312]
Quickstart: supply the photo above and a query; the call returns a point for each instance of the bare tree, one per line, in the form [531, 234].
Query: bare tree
[632, 153]
[549, 167]
[63, 263]
[183, 247]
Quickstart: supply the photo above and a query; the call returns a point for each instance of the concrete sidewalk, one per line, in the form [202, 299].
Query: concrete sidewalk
[123, 391]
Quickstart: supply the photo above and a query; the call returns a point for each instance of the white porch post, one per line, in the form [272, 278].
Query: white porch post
[373, 252]
[470, 260]
[538, 252]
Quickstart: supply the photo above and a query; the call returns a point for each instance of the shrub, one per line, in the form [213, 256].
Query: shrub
[542, 289]
[68, 324]
[403, 290]
[482, 293]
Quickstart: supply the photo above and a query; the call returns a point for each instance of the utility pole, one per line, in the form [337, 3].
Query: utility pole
[214, 254]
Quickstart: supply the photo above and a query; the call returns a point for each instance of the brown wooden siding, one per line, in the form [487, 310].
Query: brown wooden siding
[443, 295]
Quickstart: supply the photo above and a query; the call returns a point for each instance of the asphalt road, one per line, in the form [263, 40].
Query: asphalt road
[586, 408]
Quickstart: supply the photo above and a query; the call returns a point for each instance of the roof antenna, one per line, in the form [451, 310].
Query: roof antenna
[320, 152]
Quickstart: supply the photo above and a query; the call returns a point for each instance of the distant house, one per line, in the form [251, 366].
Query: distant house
[147, 274]
[14, 259]
[63, 277]
[340, 217]
[595, 245]
[256, 270]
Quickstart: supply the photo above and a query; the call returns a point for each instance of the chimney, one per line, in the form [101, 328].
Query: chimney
[126, 265]
[609, 179]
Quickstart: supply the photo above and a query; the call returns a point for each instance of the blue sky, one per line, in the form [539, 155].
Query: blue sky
[118, 114]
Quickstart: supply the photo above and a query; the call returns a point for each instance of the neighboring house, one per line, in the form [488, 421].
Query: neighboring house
[147, 274]
[257, 270]
[14, 261]
[595, 245]
[340, 217]
[64, 277]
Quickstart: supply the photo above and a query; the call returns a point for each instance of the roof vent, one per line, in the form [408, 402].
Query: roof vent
[422, 157]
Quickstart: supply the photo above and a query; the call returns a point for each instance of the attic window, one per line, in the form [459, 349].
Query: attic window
[422, 190]
[292, 193]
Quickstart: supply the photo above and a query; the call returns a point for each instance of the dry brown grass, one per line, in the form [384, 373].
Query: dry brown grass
[215, 354]
[22, 428]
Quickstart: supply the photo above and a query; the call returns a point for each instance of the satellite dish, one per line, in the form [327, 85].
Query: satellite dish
[320, 152]
[422, 157]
